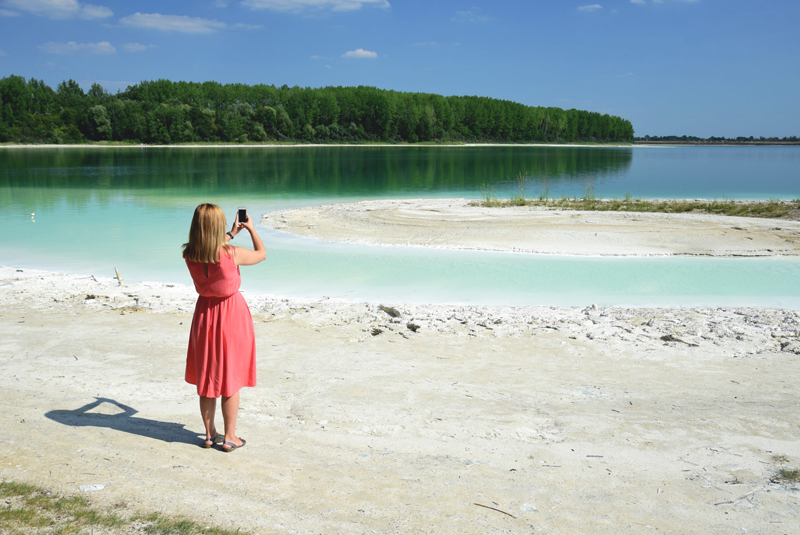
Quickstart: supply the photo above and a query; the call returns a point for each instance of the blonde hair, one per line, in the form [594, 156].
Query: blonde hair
[206, 235]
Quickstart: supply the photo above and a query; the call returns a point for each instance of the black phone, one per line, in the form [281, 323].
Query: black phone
[242, 214]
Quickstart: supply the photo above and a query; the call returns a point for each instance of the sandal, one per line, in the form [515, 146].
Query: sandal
[209, 442]
[232, 445]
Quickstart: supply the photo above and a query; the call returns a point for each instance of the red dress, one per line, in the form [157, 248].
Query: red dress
[222, 344]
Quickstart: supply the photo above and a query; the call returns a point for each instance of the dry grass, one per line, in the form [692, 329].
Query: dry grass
[27, 509]
[772, 209]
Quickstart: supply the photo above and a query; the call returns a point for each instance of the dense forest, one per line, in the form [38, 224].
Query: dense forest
[164, 112]
[714, 139]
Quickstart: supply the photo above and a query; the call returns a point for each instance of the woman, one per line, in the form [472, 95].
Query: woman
[222, 345]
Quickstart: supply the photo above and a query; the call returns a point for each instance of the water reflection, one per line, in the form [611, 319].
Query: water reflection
[308, 172]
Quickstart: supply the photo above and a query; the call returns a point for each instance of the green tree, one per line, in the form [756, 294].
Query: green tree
[100, 123]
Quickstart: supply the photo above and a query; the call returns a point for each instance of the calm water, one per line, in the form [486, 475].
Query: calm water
[131, 208]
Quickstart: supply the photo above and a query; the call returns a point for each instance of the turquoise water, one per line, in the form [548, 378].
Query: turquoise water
[98, 209]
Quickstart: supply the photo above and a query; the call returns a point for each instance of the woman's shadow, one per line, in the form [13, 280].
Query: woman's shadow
[123, 421]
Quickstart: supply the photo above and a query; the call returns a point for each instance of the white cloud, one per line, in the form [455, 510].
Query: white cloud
[469, 16]
[135, 47]
[593, 7]
[172, 23]
[8, 13]
[88, 11]
[60, 9]
[296, 6]
[320, 57]
[2, 54]
[101, 48]
[360, 53]
[637, 1]
[240, 26]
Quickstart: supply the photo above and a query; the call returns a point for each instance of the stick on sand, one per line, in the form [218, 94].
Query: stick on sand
[494, 509]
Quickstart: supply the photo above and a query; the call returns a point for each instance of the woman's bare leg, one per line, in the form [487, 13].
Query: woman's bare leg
[230, 412]
[208, 407]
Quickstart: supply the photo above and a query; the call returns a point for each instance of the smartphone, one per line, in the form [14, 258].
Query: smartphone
[242, 214]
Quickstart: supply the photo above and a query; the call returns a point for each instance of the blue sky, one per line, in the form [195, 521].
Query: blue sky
[695, 67]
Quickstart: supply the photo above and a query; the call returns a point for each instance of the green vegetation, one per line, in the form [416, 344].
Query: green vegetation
[788, 475]
[785, 474]
[27, 509]
[589, 202]
[489, 196]
[519, 199]
[162, 111]
[713, 139]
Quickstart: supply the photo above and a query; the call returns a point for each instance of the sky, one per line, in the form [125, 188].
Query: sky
[672, 67]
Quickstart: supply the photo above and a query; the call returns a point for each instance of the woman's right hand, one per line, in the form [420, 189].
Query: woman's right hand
[247, 224]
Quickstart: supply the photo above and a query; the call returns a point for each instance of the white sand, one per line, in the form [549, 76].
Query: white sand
[455, 224]
[572, 420]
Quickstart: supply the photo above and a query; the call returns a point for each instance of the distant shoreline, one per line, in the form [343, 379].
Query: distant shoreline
[722, 143]
[635, 144]
[294, 145]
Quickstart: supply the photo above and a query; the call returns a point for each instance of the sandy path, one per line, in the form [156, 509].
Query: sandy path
[452, 223]
[573, 421]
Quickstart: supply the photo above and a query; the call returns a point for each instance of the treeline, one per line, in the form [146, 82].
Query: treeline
[166, 112]
[723, 139]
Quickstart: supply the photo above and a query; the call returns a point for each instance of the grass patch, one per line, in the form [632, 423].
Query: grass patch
[771, 209]
[489, 196]
[519, 199]
[787, 475]
[28, 509]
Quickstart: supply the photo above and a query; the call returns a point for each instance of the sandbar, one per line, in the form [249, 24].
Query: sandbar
[459, 224]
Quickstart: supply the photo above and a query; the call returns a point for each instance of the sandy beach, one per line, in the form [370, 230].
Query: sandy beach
[395, 418]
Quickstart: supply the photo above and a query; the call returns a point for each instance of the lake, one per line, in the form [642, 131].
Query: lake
[130, 208]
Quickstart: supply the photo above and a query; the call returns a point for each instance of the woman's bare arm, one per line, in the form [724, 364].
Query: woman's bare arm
[246, 257]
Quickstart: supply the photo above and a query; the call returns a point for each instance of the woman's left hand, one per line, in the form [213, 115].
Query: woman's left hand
[236, 226]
